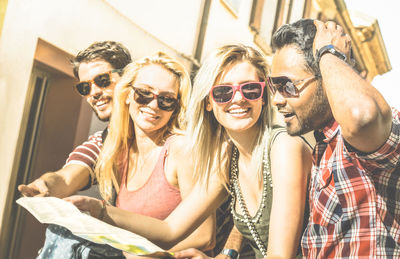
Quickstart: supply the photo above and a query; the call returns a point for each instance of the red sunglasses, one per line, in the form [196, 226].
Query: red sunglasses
[250, 91]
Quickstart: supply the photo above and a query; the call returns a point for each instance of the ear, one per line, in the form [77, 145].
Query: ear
[129, 97]
[208, 104]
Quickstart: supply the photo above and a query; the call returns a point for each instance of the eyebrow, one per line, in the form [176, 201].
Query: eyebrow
[241, 82]
[152, 88]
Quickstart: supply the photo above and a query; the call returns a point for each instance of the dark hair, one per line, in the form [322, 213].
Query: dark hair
[301, 34]
[110, 51]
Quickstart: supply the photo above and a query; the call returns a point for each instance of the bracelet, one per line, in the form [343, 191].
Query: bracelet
[232, 253]
[103, 209]
[329, 49]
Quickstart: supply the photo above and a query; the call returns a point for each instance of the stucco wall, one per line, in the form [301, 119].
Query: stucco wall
[68, 24]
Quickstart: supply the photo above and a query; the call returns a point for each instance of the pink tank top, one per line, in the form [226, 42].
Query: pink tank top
[157, 198]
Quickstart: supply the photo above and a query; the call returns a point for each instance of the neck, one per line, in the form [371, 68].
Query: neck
[147, 142]
[245, 141]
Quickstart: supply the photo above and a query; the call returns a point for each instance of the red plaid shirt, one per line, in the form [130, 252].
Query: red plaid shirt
[354, 198]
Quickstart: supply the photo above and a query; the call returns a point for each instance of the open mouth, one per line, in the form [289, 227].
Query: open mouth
[239, 111]
[101, 104]
[149, 115]
[288, 115]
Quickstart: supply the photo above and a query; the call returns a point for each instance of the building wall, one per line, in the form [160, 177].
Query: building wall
[71, 25]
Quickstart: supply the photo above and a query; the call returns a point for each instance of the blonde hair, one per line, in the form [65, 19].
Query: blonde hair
[121, 134]
[208, 139]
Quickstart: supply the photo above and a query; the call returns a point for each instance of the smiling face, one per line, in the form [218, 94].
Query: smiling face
[149, 118]
[100, 99]
[239, 115]
[310, 110]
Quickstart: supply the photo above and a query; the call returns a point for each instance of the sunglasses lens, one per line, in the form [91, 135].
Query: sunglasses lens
[167, 103]
[142, 96]
[252, 91]
[284, 86]
[83, 88]
[102, 80]
[222, 93]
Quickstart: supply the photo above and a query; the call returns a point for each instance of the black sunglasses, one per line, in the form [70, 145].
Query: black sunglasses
[164, 102]
[101, 80]
[286, 87]
[250, 91]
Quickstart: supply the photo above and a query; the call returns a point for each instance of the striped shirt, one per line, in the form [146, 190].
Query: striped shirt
[87, 153]
[354, 198]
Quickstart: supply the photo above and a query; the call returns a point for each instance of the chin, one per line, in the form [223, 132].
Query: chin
[294, 130]
[105, 117]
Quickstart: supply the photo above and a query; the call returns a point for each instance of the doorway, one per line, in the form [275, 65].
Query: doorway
[55, 121]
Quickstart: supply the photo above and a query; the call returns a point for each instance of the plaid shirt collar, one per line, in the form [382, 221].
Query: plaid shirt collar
[327, 133]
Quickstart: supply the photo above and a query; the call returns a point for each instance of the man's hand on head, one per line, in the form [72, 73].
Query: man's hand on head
[330, 33]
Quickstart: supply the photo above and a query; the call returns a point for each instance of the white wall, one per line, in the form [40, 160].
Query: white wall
[71, 25]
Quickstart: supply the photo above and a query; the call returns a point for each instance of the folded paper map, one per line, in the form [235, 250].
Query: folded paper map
[51, 210]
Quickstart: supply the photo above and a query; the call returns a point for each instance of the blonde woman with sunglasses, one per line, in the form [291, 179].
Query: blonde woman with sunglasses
[236, 150]
[139, 157]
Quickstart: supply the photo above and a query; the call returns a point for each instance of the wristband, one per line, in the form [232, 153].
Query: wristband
[233, 254]
[329, 49]
[103, 209]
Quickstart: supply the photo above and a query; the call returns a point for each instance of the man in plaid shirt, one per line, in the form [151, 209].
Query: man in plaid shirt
[355, 186]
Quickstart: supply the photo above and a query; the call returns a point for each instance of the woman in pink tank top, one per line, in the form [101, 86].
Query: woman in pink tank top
[140, 157]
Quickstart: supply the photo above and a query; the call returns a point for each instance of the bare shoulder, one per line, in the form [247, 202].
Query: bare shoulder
[179, 154]
[286, 143]
[290, 155]
[178, 145]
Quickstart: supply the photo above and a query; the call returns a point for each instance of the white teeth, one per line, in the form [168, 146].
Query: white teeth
[236, 111]
[100, 103]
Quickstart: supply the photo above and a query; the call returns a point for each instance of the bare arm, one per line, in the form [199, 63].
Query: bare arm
[360, 110]
[290, 166]
[234, 241]
[61, 183]
[189, 214]
[203, 237]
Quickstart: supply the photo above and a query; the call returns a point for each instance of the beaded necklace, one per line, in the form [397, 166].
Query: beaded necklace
[238, 194]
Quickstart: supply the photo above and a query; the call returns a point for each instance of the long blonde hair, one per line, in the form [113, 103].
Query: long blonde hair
[121, 134]
[208, 139]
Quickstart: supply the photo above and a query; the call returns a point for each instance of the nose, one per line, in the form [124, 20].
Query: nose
[153, 103]
[237, 96]
[95, 91]
[278, 100]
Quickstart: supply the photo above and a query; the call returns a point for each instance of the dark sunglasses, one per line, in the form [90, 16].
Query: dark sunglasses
[164, 102]
[101, 80]
[286, 87]
[250, 91]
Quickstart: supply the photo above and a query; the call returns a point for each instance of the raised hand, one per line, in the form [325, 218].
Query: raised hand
[330, 33]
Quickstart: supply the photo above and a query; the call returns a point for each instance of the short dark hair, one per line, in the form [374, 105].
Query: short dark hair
[301, 34]
[110, 51]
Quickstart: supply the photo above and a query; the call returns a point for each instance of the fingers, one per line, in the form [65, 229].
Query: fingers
[37, 188]
[190, 253]
[331, 33]
[26, 191]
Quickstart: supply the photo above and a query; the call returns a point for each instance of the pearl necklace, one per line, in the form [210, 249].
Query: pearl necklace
[238, 194]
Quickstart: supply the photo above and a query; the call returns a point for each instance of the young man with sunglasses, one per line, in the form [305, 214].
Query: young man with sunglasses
[98, 68]
[354, 191]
